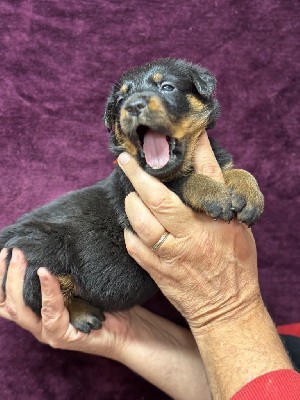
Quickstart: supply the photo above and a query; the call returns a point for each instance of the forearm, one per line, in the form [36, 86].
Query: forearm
[167, 356]
[236, 351]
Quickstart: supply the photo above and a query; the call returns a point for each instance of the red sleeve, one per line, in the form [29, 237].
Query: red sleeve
[276, 385]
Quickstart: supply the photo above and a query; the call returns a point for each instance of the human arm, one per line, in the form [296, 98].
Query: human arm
[208, 270]
[163, 353]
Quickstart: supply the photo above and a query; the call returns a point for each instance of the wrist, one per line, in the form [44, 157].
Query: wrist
[148, 330]
[238, 349]
[225, 316]
[166, 355]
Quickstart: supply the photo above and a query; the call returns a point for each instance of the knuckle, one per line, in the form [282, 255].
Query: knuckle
[142, 227]
[131, 247]
[48, 314]
[11, 310]
[210, 168]
[161, 203]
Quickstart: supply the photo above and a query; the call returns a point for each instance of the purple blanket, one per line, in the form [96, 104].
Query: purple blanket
[58, 61]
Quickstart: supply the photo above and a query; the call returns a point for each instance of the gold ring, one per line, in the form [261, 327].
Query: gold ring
[160, 241]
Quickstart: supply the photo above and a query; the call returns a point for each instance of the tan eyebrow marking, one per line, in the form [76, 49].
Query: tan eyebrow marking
[157, 77]
[124, 89]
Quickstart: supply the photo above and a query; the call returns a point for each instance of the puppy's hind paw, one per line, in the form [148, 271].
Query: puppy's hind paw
[85, 317]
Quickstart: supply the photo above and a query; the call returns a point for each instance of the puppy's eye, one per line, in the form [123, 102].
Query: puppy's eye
[167, 87]
[120, 101]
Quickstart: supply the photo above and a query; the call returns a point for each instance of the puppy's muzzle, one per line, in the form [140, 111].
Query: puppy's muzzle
[138, 103]
[144, 108]
[135, 106]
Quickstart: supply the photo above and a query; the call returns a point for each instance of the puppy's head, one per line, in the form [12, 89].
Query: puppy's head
[157, 112]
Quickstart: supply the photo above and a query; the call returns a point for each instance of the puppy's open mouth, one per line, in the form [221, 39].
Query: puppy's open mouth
[156, 148]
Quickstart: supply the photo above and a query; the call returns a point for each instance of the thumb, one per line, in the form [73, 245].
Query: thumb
[55, 316]
[205, 162]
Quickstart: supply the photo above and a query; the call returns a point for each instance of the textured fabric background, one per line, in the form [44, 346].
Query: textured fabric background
[58, 60]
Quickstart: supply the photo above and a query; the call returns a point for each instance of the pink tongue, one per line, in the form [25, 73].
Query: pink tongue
[156, 149]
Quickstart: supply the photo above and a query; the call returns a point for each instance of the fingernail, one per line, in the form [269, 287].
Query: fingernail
[124, 158]
[15, 255]
[43, 274]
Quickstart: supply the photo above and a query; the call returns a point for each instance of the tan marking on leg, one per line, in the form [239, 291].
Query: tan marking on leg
[67, 287]
[79, 308]
[83, 314]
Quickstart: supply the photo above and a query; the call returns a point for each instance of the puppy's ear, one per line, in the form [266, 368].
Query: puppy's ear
[204, 82]
[109, 113]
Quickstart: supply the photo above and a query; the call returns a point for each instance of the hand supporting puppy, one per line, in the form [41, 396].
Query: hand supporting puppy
[54, 327]
[160, 351]
[208, 270]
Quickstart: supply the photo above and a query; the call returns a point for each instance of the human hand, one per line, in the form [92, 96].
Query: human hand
[53, 327]
[160, 351]
[206, 268]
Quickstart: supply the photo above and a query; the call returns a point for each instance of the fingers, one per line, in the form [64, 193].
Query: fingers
[144, 223]
[142, 254]
[3, 255]
[14, 282]
[14, 307]
[54, 327]
[205, 161]
[162, 202]
[55, 316]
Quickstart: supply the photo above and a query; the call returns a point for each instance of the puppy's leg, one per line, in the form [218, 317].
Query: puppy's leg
[204, 194]
[83, 316]
[247, 199]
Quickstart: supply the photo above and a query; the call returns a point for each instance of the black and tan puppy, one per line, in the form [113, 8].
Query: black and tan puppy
[156, 113]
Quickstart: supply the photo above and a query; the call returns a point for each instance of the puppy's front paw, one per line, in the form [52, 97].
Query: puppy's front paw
[219, 208]
[247, 199]
[213, 198]
[84, 316]
[248, 210]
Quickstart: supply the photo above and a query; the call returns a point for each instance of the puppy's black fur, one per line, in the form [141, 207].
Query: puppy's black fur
[79, 237]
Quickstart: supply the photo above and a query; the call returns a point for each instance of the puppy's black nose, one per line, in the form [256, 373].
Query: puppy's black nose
[135, 106]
